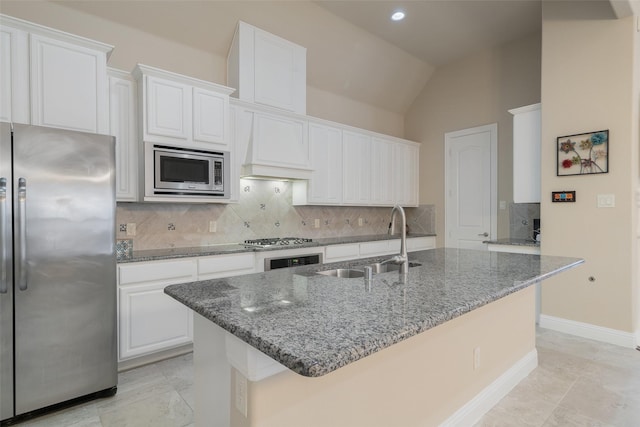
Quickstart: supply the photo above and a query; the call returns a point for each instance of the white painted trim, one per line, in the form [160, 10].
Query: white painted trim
[587, 330]
[474, 409]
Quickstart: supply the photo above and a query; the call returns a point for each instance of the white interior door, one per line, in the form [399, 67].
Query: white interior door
[471, 187]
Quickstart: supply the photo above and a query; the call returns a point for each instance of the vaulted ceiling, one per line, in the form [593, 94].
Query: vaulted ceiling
[343, 38]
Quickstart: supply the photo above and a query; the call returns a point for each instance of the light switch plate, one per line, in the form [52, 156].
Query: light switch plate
[606, 200]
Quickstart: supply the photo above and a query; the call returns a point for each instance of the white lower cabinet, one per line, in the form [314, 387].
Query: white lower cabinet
[149, 320]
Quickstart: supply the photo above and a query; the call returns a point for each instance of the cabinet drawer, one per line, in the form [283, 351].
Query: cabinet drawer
[375, 248]
[421, 243]
[342, 252]
[166, 272]
[225, 265]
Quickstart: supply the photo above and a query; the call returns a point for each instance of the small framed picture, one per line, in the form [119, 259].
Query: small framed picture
[583, 153]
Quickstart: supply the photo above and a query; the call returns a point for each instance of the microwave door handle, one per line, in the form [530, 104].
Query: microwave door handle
[22, 233]
[3, 235]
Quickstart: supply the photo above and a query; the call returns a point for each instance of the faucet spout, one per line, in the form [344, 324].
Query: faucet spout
[402, 258]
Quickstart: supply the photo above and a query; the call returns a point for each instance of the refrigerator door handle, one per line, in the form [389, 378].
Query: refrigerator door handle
[22, 233]
[3, 235]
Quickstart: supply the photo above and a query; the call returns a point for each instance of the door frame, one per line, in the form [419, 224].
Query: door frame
[448, 141]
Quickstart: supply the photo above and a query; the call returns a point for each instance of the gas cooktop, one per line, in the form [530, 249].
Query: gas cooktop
[277, 241]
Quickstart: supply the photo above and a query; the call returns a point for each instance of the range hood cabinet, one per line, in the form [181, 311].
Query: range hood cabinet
[276, 146]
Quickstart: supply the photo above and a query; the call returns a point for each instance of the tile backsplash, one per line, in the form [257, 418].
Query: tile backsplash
[264, 210]
[521, 216]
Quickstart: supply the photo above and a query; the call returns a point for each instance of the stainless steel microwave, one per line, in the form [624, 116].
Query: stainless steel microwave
[186, 172]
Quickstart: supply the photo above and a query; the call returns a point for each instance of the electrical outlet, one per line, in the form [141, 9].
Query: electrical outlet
[360, 222]
[131, 229]
[476, 358]
[213, 226]
[241, 393]
[316, 223]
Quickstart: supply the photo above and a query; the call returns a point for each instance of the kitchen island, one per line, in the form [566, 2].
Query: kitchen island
[291, 347]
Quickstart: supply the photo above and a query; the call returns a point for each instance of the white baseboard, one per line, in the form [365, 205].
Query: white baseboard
[587, 330]
[482, 403]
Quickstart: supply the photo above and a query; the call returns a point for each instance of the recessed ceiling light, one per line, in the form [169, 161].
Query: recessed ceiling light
[398, 15]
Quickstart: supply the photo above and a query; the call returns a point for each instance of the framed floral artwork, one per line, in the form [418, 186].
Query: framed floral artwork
[583, 153]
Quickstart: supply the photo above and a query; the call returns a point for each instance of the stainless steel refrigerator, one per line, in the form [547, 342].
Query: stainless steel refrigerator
[57, 261]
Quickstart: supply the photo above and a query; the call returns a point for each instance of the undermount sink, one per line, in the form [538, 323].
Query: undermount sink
[384, 268]
[377, 268]
[345, 273]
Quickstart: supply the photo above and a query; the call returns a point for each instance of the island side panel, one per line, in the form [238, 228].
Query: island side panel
[212, 382]
[421, 381]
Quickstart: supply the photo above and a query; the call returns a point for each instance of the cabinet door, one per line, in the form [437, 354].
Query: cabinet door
[280, 72]
[280, 141]
[325, 184]
[122, 118]
[68, 86]
[406, 174]
[14, 75]
[210, 117]
[526, 154]
[356, 167]
[168, 110]
[150, 320]
[383, 172]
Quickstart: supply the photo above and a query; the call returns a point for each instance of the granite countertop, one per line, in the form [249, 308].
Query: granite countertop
[170, 253]
[514, 242]
[314, 324]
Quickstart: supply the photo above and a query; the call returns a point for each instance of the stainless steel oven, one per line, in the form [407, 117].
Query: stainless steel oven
[179, 171]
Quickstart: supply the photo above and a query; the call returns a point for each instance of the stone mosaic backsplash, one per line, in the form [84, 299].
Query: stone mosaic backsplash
[264, 210]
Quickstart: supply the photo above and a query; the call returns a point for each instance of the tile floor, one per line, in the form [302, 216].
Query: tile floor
[578, 382]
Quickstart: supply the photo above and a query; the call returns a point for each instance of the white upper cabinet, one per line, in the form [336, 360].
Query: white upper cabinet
[182, 110]
[14, 75]
[267, 69]
[167, 110]
[67, 78]
[382, 172]
[526, 154]
[356, 167]
[325, 185]
[206, 106]
[122, 123]
[406, 175]
[359, 168]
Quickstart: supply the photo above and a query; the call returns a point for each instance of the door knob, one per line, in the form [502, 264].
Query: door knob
[485, 234]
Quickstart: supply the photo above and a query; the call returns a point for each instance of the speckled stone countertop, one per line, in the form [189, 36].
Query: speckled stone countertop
[514, 242]
[170, 253]
[314, 324]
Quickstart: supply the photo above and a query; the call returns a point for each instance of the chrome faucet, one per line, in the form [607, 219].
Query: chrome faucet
[402, 259]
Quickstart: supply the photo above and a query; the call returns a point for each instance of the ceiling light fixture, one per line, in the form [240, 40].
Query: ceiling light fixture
[398, 15]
